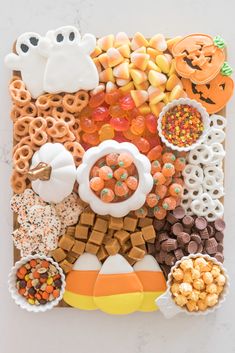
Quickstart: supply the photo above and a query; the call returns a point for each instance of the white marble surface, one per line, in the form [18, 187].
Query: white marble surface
[68, 330]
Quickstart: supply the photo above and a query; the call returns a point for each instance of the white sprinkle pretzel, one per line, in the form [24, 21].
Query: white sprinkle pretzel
[202, 154]
[218, 121]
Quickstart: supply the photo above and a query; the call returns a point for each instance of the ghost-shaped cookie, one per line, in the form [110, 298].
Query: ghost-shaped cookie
[29, 62]
[69, 66]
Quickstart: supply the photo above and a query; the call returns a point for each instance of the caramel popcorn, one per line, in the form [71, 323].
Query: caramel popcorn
[197, 284]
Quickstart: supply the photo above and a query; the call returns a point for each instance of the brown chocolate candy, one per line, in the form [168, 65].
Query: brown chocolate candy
[163, 236]
[177, 228]
[158, 224]
[171, 218]
[219, 257]
[169, 244]
[204, 234]
[200, 223]
[170, 259]
[196, 237]
[183, 238]
[188, 221]
[219, 224]
[192, 247]
[178, 254]
[211, 246]
[219, 236]
[179, 212]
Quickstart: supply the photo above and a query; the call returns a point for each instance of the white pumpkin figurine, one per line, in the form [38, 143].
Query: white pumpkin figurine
[115, 209]
[52, 172]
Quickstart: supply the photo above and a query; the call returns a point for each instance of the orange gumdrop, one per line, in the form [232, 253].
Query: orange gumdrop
[96, 183]
[107, 195]
[112, 159]
[168, 157]
[159, 212]
[141, 212]
[178, 181]
[131, 170]
[169, 203]
[105, 172]
[120, 174]
[161, 191]
[175, 190]
[155, 167]
[152, 199]
[168, 169]
[155, 153]
[112, 97]
[91, 139]
[180, 163]
[95, 171]
[125, 160]
[110, 184]
[132, 182]
[168, 181]
[159, 178]
[121, 189]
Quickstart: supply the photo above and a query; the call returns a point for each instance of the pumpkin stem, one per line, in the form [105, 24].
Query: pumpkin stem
[42, 171]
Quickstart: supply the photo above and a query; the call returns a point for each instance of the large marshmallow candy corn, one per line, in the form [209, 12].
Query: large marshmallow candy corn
[80, 282]
[153, 281]
[118, 289]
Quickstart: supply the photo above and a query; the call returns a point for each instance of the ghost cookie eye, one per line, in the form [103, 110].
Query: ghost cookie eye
[34, 41]
[59, 38]
[24, 48]
[71, 36]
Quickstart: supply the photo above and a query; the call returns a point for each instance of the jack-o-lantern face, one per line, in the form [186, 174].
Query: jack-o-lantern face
[213, 95]
[197, 58]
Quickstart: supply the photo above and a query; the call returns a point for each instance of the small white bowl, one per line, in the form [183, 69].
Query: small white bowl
[19, 299]
[205, 119]
[166, 303]
[115, 209]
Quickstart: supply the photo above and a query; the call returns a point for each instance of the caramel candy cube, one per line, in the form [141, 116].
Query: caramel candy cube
[66, 242]
[71, 258]
[144, 222]
[81, 232]
[101, 225]
[112, 247]
[91, 248]
[58, 254]
[126, 246]
[149, 233]
[110, 232]
[106, 239]
[66, 266]
[70, 231]
[143, 247]
[130, 224]
[137, 239]
[79, 247]
[116, 223]
[102, 254]
[130, 260]
[96, 237]
[122, 236]
[87, 218]
[136, 253]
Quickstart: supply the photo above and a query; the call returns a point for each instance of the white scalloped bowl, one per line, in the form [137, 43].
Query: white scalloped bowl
[115, 209]
[205, 119]
[19, 299]
[166, 303]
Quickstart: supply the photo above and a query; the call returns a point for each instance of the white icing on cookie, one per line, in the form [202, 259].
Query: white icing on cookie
[69, 65]
[29, 62]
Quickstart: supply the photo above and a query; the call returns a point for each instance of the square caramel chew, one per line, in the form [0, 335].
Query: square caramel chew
[130, 260]
[126, 246]
[101, 225]
[87, 218]
[66, 266]
[143, 247]
[136, 253]
[112, 247]
[122, 236]
[66, 242]
[79, 247]
[81, 232]
[146, 221]
[106, 238]
[71, 258]
[70, 231]
[130, 224]
[116, 223]
[102, 253]
[58, 254]
[96, 237]
[137, 239]
[91, 248]
[149, 233]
